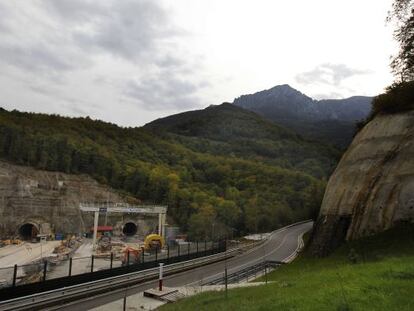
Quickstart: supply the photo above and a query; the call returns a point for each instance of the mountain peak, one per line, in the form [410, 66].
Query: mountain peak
[280, 99]
[287, 90]
[283, 87]
[291, 108]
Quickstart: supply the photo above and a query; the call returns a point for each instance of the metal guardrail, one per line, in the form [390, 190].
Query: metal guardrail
[245, 273]
[63, 295]
[70, 277]
[50, 298]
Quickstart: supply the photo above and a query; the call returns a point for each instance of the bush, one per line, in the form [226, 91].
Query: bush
[399, 97]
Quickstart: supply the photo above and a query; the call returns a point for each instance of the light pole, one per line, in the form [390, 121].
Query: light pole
[264, 261]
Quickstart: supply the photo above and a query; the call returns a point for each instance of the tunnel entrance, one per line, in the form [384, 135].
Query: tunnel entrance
[129, 229]
[28, 231]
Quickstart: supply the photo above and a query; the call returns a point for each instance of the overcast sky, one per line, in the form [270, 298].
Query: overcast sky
[132, 61]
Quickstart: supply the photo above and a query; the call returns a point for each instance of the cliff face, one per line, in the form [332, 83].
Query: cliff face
[372, 188]
[50, 201]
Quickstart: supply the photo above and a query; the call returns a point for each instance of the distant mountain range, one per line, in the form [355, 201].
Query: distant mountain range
[330, 120]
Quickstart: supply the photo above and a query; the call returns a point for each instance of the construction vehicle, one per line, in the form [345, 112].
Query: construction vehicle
[153, 243]
[131, 255]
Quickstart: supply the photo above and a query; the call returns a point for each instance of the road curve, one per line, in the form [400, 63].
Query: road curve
[280, 245]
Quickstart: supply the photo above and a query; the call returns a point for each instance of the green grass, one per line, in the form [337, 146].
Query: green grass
[381, 279]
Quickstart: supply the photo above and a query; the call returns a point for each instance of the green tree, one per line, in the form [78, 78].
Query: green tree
[252, 214]
[402, 64]
[228, 212]
[201, 224]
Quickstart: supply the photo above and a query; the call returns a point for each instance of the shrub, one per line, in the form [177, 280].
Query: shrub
[398, 97]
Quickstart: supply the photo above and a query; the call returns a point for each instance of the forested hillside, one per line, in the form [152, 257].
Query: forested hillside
[241, 190]
[232, 131]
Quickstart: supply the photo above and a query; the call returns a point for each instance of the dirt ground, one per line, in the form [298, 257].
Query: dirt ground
[25, 253]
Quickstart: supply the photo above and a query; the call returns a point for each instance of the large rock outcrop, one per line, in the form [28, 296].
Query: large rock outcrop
[372, 188]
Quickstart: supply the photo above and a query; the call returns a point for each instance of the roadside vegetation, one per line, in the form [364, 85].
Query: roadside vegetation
[374, 273]
[398, 98]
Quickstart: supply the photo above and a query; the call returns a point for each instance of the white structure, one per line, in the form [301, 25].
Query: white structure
[107, 208]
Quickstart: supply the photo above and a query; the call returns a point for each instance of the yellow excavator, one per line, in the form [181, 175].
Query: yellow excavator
[153, 242]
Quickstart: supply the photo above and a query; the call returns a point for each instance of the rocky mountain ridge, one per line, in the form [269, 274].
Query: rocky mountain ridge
[329, 120]
[284, 102]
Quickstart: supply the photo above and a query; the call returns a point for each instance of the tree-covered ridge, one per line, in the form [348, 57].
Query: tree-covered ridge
[232, 131]
[204, 191]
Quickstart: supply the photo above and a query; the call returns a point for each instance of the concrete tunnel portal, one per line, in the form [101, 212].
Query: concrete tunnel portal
[28, 231]
[130, 229]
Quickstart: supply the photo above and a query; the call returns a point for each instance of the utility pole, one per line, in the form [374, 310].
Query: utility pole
[125, 300]
[95, 229]
[160, 277]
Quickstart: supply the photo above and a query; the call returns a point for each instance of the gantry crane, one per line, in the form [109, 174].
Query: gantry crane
[108, 208]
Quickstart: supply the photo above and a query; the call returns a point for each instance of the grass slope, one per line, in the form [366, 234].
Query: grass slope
[382, 279]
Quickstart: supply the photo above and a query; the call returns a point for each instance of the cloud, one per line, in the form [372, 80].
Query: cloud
[35, 58]
[164, 92]
[129, 61]
[331, 74]
[131, 30]
[92, 56]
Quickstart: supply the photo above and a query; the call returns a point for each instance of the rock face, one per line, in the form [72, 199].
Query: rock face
[283, 102]
[50, 202]
[330, 120]
[372, 188]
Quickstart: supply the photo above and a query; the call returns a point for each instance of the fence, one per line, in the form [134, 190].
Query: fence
[42, 276]
[246, 274]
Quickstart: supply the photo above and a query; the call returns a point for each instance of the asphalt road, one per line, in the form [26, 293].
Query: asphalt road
[279, 246]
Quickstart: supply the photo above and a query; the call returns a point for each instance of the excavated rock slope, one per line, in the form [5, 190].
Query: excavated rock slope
[372, 188]
[50, 200]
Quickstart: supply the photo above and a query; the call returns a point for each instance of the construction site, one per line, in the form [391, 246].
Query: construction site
[74, 223]
[144, 236]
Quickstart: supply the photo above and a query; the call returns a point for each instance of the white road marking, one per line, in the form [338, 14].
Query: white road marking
[259, 258]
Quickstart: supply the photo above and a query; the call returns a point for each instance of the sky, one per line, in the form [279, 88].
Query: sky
[132, 61]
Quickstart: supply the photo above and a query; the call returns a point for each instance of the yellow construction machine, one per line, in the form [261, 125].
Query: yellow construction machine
[153, 242]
